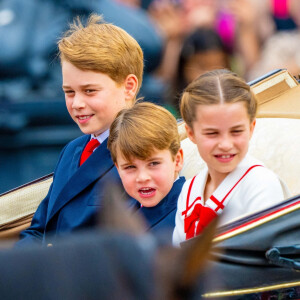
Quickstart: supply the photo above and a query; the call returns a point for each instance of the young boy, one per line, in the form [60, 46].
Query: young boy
[145, 147]
[102, 69]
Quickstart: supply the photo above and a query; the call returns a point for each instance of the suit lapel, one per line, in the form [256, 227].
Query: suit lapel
[97, 165]
[76, 158]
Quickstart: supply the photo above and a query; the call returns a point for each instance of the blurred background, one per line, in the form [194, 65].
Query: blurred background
[180, 38]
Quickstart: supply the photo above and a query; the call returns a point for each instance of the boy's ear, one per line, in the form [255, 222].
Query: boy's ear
[131, 87]
[190, 133]
[179, 160]
[252, 126]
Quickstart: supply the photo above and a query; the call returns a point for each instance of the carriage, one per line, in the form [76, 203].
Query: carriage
[256, 256]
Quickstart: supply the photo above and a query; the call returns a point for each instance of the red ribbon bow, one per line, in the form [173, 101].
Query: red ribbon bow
[203, 214]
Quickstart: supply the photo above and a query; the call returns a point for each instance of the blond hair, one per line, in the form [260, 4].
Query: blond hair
[216, 87]
[102, 47]
[140, 130]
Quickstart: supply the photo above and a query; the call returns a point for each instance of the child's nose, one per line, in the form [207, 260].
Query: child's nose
[142, 176]
[78, 102]
[225, 144]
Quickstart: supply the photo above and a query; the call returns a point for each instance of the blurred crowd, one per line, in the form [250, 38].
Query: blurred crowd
[250, 37]
[180, 38]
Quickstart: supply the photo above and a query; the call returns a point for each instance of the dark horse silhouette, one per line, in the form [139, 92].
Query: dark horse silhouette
[118, 260]
[254, 258]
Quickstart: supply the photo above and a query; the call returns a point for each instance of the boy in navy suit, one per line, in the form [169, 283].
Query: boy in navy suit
[102, 69]
[145, 147]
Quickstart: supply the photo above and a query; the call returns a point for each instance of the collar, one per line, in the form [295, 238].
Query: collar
[101, 137]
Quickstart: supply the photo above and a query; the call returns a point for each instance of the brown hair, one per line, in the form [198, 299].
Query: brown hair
[140, 130]
[215, 87]
[102, 47]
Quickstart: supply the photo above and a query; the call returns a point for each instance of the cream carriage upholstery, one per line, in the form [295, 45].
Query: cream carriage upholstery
[18, 206]
[276, 142]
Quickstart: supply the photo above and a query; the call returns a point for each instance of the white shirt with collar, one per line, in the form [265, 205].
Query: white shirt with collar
[101, 137]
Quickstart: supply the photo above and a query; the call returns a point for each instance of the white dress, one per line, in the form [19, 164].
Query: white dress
[251, 187]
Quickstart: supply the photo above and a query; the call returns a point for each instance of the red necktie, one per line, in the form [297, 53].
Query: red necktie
[88, 150]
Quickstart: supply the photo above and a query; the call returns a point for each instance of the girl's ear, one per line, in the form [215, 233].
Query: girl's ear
[190, 133]
[131, 87]
[178, 161]
[252, 126]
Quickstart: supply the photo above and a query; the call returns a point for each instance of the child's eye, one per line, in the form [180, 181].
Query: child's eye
[211, 133]
[89, 91]
[68, 92]
[129, 167]
[154, 163]
[237, 132]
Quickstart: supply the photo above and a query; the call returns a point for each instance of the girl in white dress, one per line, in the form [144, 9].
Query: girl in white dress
[219, 111]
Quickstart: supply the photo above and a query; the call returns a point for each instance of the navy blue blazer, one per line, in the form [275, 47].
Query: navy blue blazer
[75, 195]
[162, 216]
